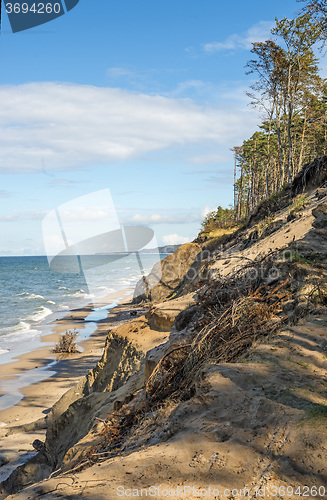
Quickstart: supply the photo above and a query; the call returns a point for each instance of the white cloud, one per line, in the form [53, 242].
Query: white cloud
[24, 215]
[257, 33]
[174, 239]
[78, 214]
[160, 219]
[82, 214]
[206, 210]
[66, 126]
[8, 218]
[198, 86]
[5, 251]
[120, 71]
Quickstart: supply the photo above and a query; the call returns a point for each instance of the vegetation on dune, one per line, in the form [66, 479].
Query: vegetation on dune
[221, 218]
[292, 97]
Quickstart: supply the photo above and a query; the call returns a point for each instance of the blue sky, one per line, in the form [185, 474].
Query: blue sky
[144, 97]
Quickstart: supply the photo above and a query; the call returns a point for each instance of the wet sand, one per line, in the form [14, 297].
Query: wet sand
[37, 379]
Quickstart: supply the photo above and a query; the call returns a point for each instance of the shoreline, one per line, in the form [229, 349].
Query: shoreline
[19, 377]
[24, 421]
[45, 327]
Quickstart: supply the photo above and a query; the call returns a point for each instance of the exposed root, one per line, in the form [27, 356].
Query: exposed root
[230, 330]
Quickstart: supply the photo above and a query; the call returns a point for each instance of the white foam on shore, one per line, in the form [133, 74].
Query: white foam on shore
[19, 328]
[34, 311]
[18, 333]
[24, 335]
[79, 294]
[107, 289]
[12, 387]
[40, 315]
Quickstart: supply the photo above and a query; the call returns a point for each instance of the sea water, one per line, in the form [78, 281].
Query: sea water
[32, 295]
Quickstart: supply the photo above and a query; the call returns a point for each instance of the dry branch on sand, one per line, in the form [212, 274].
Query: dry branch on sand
[67, 343]
[229, 327]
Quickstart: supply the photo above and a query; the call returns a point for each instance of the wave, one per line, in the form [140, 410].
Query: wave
[19, 333]
[125, 282]
[34, 296]
[40, 315]
[79, 293]
[30, 296]
[50, 302]
[22, 326]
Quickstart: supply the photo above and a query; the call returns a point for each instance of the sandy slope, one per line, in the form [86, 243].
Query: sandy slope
[254, 424]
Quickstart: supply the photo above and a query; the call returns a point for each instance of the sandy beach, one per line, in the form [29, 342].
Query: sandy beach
[58, 375]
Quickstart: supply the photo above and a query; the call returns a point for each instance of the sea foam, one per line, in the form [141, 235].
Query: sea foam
[39, 315]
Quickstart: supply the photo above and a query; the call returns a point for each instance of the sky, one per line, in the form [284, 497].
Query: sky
[144, 98]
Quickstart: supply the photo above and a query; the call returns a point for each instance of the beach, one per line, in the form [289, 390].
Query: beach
[58, 375]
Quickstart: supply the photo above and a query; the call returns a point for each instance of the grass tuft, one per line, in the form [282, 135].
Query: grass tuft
[317, 411]
[299, 203]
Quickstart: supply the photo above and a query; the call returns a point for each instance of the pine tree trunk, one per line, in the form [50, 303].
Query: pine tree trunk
[289, 136]
[302, 139]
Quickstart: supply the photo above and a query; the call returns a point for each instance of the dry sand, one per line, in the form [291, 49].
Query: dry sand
[247, 428]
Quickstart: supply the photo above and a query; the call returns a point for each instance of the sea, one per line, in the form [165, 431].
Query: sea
[32, 295]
